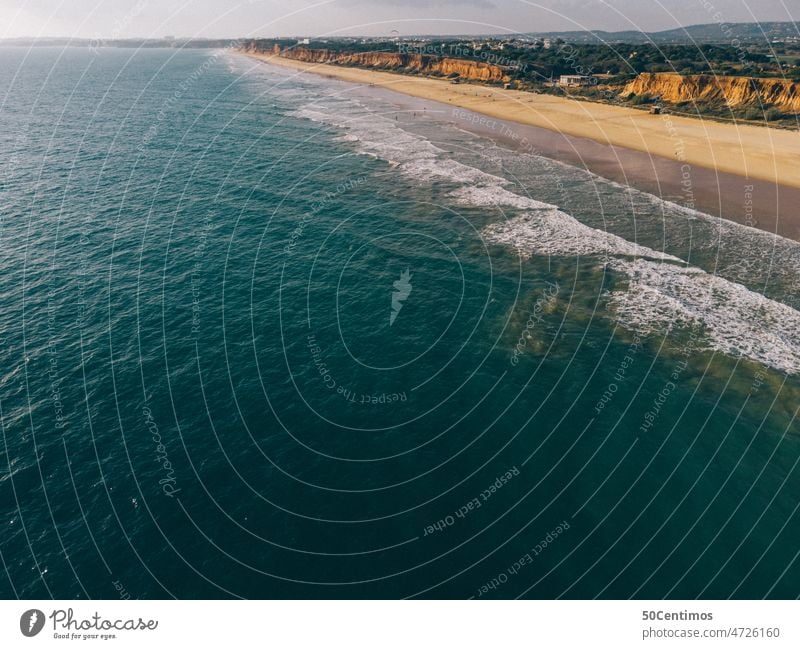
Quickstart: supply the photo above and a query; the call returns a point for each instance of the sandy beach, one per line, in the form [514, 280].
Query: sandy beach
[747, 151]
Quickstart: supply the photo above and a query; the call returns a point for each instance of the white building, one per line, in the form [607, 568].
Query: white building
[574, 80]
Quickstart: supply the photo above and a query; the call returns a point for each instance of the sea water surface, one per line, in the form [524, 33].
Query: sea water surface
[265, 336]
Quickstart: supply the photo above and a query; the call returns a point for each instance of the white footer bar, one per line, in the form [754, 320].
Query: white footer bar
[393, 624]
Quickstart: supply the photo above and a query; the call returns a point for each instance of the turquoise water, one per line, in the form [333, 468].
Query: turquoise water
[269, 337]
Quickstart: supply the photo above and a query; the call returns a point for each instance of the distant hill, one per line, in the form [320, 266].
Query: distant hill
[708, 33]
[746, 33]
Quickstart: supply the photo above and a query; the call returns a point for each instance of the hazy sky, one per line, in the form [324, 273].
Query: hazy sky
[229, 18]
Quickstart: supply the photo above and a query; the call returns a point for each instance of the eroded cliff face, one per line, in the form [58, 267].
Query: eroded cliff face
[735, 91]
[410, 63]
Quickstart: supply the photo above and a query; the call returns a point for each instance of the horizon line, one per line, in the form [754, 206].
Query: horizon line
[389, 36]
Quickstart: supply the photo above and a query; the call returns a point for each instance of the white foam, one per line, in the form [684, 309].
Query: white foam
[735, 320]
[744, 252]
[497, 196]
[380, 137]
[553, 232]
[662, 291]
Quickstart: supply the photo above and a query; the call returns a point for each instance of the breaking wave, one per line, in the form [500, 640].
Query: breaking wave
[662, 292]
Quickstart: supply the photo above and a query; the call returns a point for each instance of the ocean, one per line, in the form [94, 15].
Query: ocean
[273, 337]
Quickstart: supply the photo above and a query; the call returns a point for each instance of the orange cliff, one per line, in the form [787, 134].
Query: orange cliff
[401, 62]
[735, 91]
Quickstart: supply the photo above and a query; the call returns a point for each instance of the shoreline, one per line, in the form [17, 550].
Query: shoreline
[701, 169]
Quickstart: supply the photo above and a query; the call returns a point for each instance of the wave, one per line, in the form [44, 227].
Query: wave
[663, 290]
[544, 229]
[734, 319]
